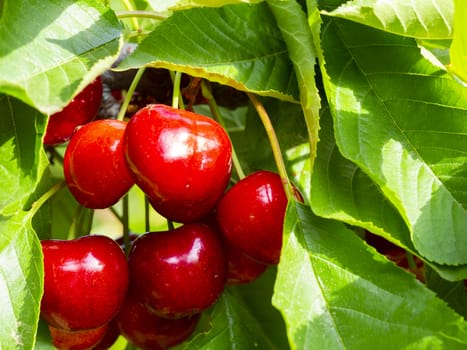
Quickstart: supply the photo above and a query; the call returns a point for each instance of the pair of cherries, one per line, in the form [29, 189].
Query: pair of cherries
[182, 161]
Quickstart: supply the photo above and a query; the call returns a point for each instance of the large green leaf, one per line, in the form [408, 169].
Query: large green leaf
[335, 292]
[21, 281]
[51, 49]
[458, 50]
[401, 119]
[22, 166]
[232, 326]
[236, 45]
[340, 190]
[419, 19]
[22, 159]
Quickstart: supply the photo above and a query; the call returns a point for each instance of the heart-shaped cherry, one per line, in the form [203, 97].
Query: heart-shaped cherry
[86, 339]
[82, 109]
[85, 282]
[178, 272]
[251, 216]
[180, 159]
[148, 331]
[94, 166]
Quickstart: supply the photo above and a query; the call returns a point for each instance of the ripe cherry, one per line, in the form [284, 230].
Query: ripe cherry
[179, 272]
[82, 109]
[94, 166]
[181, 160]
[77, 340]
[242, 268]
[148, 331]
[85, 282]
[251, 216]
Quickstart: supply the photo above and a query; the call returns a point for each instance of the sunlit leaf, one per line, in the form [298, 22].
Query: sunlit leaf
[458, 50]
[50, 50]
[401, 119]
[332, 295]
[236, 45]
[418, 19]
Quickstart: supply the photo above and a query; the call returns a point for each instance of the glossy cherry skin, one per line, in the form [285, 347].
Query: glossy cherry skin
[77, 340]
[85, 282]
[94, 165]
[181, 160]
[251, 216]
[242, 268]
[82, 109]
[179, 272]
[148, 331]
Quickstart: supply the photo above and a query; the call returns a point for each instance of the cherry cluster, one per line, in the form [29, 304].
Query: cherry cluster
[223, 234]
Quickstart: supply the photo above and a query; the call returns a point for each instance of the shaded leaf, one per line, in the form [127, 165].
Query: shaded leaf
[401, 119]
[340, 190]
[419, 19]
[236, 45]
[232, 326]
[47, 59]
[335, 292]
[22, 159]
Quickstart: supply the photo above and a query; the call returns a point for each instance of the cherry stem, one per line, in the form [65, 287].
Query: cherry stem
[76, 223]
[130, 8]
[45, 197]
[274, 142]
[126, 224]
[207, 94]
[147, 225]
[131, 90]
[411, 261]
[177, 102]
[141, 14]
[170, 225]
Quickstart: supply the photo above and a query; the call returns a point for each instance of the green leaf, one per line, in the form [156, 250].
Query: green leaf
[458, 50]
[335, 292]
[401, 119]
[22, 158]
[340, 190]
[418, 19]
[233, 326]
[52, 49]
[236, 45]
[21, 281]
[174, 5]
[300, 38]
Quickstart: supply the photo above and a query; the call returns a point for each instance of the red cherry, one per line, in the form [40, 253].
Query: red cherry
[242, 268]
[251, 216]
[178, 272]
[76, 340]
[94, 165]
[147, 331]
[180, 159]
[82, 109]
[85, 282]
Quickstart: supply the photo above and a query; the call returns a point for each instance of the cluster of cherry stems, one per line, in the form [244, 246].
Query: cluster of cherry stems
[151, 288]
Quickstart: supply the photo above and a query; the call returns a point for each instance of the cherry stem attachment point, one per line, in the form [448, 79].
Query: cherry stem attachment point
[274, 142]
[131, 91]
[207, 94]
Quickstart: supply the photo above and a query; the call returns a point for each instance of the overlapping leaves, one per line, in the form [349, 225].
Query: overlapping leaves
[50, 50]
[401, 119]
